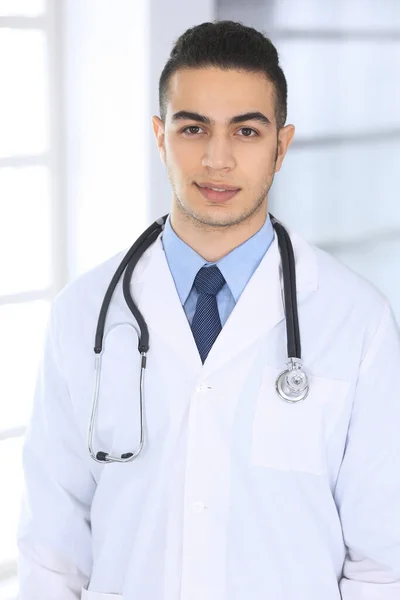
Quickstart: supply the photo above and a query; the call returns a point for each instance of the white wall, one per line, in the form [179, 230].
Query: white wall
[105, 98]
[168, 21]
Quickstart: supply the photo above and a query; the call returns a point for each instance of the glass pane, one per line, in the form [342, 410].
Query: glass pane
[25, 217]
[342, 192]
[337, 14]
[21, 332]
[337, 88]
[23, 100]
[10, 497]
[26, 8]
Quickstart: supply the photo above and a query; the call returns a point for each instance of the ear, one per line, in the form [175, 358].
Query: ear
[159, 132]
[285, 137]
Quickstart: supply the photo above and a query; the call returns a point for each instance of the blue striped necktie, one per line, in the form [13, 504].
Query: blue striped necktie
[206, 324]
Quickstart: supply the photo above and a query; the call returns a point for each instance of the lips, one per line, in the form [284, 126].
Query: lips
[217, 197]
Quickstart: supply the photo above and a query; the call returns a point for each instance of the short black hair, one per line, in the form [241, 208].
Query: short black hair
[226, 45]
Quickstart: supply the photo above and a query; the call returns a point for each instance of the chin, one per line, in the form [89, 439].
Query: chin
[217, 217]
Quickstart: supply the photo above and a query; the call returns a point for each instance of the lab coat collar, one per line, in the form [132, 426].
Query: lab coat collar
[258, 310]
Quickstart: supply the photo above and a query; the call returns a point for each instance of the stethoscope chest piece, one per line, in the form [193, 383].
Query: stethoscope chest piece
[292, 384]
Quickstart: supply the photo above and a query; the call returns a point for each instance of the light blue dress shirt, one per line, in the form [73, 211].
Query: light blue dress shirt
[237, 267]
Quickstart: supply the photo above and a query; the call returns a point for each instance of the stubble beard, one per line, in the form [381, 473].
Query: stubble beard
[204, 221]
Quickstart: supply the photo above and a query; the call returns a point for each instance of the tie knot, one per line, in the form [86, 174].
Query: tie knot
[209, 280]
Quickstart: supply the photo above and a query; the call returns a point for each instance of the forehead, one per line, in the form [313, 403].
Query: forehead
[216, 92]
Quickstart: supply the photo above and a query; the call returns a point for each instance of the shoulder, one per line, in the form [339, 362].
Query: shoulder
[346, 298]
[341, 281]
[88, 288]
[333, 277]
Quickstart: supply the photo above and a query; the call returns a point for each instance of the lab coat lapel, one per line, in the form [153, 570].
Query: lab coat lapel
[260, 307]
[154, 290]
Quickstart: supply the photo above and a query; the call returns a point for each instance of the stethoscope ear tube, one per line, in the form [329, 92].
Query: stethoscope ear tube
[128, 264]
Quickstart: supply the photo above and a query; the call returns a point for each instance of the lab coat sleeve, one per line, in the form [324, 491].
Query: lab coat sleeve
[368, 488]
[54, 540]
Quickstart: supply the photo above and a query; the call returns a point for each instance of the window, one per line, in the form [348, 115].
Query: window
[30, 236]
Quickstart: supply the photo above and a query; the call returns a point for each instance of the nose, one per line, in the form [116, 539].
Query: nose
[218, 154]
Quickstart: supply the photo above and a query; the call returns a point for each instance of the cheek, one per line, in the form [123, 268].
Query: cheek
[255, 154]
[183, 158]
[269, 161]
[258, 165]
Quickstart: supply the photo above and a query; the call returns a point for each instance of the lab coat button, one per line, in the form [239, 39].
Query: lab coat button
[198, 507]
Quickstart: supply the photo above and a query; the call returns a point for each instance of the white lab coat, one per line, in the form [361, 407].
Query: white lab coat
[237, 495]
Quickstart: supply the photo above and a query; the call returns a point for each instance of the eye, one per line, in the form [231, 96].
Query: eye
[189, 130]
[247, 130]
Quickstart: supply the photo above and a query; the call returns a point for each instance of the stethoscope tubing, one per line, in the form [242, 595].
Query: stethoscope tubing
[131, 257]
[289, 290]
[126, 269]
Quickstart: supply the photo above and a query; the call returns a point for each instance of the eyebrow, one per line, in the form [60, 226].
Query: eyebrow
[184, 115]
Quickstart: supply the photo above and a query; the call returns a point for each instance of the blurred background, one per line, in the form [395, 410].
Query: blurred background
[80, 175]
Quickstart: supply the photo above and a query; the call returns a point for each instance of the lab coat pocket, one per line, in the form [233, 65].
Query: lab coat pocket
[87, 595]
[293, 437]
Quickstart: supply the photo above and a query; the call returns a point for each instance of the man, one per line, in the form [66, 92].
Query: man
[237, 494]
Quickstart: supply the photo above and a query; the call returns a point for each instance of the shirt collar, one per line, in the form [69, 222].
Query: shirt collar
[237, 267]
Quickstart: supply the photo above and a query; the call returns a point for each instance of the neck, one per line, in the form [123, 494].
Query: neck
[213, 243]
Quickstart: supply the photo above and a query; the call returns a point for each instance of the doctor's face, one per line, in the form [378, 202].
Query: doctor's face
[220, 131]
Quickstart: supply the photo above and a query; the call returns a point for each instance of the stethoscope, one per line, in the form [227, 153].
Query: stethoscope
[291, 385]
